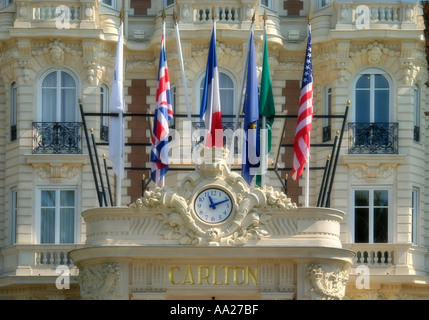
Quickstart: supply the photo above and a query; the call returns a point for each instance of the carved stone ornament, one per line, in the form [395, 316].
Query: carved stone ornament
[98, 282]
[248, 220]
[327, 285]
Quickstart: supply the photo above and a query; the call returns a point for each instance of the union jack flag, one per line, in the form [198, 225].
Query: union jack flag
[305, 116]
[163, 113]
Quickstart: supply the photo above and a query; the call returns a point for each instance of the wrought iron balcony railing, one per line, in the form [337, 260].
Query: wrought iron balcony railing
[373, 138]
[57, 137]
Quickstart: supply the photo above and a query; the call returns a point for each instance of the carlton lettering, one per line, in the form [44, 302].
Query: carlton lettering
[218, 275]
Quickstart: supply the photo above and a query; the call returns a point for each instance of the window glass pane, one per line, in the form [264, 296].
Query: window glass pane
[68, 105]
[361, 198]
[380, 225]
[67, 198]
[49, 103]
[381, 198]
[361, 225]
[362, 106]
[363, 82]
[381, 82]
[67, 80]
[47, 225]
[67, 225]
[381, 112]
[50, 80]
[48, 198]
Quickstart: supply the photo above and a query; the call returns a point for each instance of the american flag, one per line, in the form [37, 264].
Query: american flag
[163, 113]
[305, 116]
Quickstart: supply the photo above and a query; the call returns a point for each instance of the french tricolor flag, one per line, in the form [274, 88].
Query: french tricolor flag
[210, 104]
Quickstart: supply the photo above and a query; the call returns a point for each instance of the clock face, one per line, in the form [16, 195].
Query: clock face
[213, 205]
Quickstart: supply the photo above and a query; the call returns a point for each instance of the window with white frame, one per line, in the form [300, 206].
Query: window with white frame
[104, 108]
[168, 3]
[13, 111]
[109, 3]
[371, 215]
[323, 3]
[414, 215]
[59, 97]
[57, 214]
[267, 3]
[372, 97]
[416, 113]
[13, 215]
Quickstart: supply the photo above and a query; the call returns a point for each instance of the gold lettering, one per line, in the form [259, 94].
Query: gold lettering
[239, 283]
[189, 274]
[171, 274]
[200, 274]
[226, 273]
[215, 277]
[250, 274]
[241, 275]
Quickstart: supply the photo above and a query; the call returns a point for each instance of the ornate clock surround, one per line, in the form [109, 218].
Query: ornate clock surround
[245, 222]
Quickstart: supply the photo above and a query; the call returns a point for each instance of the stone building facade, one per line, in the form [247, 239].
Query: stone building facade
[56, 53]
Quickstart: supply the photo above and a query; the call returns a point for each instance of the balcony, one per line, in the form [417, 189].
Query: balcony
[57, 138]
[38, 259]
[377, 15]
[58, 14]
[373, 138]
[389, 258]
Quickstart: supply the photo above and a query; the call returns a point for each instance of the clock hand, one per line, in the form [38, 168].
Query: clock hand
[215, 204]
[212, 205]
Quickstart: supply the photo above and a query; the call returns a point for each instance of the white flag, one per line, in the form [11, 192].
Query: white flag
[117, 105]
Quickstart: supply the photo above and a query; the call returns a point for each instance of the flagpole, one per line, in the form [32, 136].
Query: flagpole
[307, 171]
[239, 106]
[120, 131]
[185, 87]
[263, 138]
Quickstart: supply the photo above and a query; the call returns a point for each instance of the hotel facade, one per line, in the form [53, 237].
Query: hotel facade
[369, 242]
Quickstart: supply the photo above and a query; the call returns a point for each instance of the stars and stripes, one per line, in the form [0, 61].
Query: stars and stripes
[305, 116]
[163, 113]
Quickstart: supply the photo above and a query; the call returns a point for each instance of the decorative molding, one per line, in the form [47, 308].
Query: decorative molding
[99, 282]
[177, 212]
[327, 285]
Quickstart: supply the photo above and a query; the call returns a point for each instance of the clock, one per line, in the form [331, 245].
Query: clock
[213, 205]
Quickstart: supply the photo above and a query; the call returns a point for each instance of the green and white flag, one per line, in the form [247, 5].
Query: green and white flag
[266, 103]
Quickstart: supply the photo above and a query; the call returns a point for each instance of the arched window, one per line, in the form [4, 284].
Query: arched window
[57, 130]
[227, 96]
[372, 98]
[59, 97]
[373, 131]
